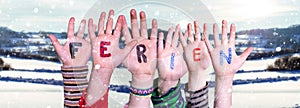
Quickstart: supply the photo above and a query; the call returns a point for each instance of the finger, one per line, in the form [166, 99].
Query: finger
[134, 24]
[232, 35]
[91, 29]
[55, 43]
[101, 23]
[143, 24]
[182, 39]
[206, 38]
[71, 27]
[246, 53]
[110, 22]
[190, 33]
[87, 38]
[197, 31]
[81, 28]
[175, 37]
[128, 48]
[224, 32]
[205, 32]
[118, 27]
[180, 48]
[160, 42]
[125, 30]
[169, 36]
[154, 29]
[216, 35]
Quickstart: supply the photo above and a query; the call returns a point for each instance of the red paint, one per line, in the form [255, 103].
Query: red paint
[103, 48]
[196, 55]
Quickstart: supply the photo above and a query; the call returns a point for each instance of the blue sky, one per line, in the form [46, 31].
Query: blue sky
[53, 15]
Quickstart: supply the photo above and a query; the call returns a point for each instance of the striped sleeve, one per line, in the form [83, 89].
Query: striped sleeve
[172, 99]
[75, 81]
[197, 99]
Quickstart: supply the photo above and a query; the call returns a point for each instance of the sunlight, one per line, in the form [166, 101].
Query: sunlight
[256, 8]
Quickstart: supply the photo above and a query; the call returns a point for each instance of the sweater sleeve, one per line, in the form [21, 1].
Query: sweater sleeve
[197, 99]
[172, 99]
[75, 81]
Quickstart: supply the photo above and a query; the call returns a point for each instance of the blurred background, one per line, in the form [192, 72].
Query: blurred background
[30, 68]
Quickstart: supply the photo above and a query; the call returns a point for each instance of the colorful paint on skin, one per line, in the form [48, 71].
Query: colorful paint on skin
[196, 55]
[227, 58]
[172, 61]
[73, 49]
[140, 50]
[103, 48]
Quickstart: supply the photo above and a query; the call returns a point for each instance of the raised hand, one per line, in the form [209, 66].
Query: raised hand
[196, 56]
[224, 58]
[76, 51]
[226, 63]
[106, 56]
[141, 61]
[171, 66]
[106, 52]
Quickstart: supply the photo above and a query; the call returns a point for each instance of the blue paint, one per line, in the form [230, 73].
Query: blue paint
[227, 58]
[172, 61]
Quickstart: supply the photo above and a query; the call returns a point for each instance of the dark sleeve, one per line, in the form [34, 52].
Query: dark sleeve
[197, 99]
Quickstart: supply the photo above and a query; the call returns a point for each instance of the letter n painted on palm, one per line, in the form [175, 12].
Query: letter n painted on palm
[224, 56]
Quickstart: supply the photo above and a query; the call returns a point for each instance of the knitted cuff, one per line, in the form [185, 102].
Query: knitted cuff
[172, 99]
[75, 81]
[197, 99]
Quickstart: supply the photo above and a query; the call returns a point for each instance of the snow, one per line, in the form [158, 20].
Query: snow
[56, 76]
[30, 64]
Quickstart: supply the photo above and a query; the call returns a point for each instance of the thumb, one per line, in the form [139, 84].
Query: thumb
[246, 53]
[55, 43]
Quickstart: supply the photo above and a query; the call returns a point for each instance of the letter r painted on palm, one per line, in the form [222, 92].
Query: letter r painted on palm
[140, 50]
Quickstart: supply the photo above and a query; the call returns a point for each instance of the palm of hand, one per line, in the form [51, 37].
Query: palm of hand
[224, 58]
[222, 62]
[134, 62]
[105, 48]
[171, 64]
[196, 56]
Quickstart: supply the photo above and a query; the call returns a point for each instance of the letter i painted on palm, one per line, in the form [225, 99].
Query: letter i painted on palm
[227, 58]
[172, 61]
[196, 55]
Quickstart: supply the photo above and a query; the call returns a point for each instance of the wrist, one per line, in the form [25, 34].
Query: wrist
[197, 80]
[165, 85]
[142, 81]
[223, 86]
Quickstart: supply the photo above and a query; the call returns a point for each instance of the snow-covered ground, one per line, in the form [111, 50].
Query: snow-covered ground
[262, 95]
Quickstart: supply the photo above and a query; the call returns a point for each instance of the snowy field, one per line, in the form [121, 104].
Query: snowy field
[27, 95]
